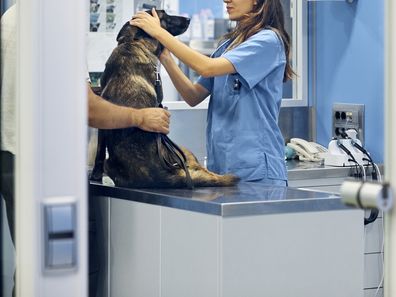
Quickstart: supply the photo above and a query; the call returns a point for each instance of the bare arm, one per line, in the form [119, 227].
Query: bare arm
[202, 64]
[192, 93]
[103, 114]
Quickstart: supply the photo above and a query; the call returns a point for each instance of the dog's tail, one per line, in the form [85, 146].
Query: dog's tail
[201, 177]
[205, 178]
[228, 180]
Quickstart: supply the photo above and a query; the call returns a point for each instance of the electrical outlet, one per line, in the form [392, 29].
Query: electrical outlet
[348, 116]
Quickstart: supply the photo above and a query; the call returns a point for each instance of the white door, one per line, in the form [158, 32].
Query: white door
[390, 142]
[51, 131]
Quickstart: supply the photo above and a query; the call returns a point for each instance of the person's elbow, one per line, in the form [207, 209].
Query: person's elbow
[192, 102]
[207, 71]
[92, 103]
[195, 95]
[207, 67]
[91, 117]
[215, 67]
[194, 99]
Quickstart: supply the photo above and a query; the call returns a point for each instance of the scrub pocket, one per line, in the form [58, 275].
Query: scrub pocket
[245, 153]
[276, 168]
[245, 159]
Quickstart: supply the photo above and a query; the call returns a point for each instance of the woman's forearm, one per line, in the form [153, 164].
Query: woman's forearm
[191, 58]
[191, 93]
[203, 65]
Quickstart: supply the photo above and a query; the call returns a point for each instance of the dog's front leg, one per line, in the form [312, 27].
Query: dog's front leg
[97, 171]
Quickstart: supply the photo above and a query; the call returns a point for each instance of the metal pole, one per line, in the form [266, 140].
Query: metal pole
[390, 143]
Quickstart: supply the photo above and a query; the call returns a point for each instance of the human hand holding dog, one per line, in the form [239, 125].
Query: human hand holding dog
[165, 56]
[150, 24]
[152, 120]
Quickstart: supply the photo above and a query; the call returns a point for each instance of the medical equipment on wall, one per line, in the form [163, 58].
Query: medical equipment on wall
[307, 151]
[343, 153]
[346, 151]
[148, 4]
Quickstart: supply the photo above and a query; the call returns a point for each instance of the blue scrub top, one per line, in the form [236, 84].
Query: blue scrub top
[243, 136]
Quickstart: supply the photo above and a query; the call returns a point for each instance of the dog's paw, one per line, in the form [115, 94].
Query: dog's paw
[107, 181]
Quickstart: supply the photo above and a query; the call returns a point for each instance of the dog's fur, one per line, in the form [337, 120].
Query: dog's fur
[128, 80]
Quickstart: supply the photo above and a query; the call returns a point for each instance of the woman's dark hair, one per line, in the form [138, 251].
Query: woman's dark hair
[265, 14]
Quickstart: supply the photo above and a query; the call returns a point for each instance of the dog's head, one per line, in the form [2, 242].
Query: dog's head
[175, 25]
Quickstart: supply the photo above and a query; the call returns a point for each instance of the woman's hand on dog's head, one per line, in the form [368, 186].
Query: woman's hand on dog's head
[152, 120]
[150, 24]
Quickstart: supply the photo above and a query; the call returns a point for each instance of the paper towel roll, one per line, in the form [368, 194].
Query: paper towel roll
[367, 195]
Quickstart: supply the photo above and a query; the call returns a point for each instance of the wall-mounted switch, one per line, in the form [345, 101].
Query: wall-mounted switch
[60, 240]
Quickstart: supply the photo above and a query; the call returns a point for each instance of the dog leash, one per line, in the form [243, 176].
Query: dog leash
[178, 158]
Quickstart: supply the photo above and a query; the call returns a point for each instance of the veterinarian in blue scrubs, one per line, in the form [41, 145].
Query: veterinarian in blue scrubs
[244, 77]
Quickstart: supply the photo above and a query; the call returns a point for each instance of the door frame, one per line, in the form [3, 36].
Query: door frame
[51, 134]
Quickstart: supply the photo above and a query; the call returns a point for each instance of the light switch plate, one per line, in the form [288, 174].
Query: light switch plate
[60, 235]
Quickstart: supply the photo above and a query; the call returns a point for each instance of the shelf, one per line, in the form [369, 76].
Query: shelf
[181, 105]
[349, 1]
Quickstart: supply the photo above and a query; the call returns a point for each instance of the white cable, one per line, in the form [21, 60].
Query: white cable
[382, 256]
[378, 172]
[383, 235]
[364, 172]
[376, 168]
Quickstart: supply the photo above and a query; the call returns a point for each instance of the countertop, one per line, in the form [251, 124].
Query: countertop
[246, 198]
[314, 170]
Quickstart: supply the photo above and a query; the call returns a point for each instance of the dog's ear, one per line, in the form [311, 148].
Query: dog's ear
[126, 33]
[175, 25]
[129, 33]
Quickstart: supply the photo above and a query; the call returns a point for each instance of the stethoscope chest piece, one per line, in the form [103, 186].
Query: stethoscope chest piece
[237, 85]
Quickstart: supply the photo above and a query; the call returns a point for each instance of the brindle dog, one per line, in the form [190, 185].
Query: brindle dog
[135, 157]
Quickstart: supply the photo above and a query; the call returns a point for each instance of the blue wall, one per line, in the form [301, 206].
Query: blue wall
[195, 6]
[350, 66]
